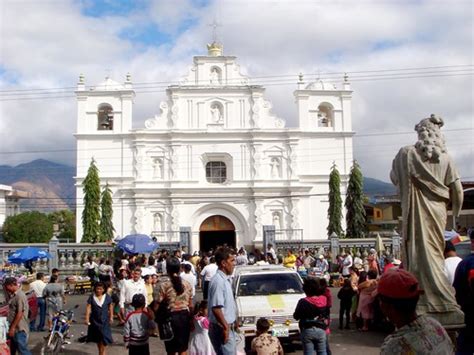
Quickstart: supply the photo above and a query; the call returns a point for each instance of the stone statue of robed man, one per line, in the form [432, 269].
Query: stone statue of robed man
[427, 180]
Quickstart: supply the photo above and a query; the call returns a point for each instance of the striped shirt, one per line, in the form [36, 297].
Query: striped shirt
[137, 327]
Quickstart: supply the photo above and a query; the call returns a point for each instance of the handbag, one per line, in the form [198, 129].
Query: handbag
[163, 319]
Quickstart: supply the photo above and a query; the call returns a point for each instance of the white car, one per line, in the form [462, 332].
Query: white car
[268, 291]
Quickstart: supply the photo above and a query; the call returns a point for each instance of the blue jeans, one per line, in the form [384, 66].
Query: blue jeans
[216, 334]
[19, 344]
[314, 339]
[40, 301]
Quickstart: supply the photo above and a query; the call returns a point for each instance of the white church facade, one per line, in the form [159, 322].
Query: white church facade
[215, 161]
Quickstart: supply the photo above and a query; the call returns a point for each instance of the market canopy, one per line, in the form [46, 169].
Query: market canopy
[454, 237]
[137, 244]
[24, 255]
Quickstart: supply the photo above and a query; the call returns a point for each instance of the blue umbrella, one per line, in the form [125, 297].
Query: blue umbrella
[28, 254]
[137, 244]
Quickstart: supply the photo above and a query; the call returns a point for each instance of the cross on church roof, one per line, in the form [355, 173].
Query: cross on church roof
[214, 26]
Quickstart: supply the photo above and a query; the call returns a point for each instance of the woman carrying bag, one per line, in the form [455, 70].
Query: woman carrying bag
[312, 313]
[177, 295]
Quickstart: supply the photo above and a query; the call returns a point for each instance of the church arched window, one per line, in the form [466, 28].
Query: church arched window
[215, 76]
[105, 117]
[325, 115]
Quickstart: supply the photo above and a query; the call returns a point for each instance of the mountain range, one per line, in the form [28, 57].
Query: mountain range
[51, 185]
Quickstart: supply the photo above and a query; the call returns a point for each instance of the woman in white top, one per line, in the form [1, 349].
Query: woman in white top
[90, 267]
[105, 272]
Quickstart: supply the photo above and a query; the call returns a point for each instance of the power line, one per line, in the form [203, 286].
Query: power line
[335, 154]
[275, 82]
[166, 142]
[166, 83]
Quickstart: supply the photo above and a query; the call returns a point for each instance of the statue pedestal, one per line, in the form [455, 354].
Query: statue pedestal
[218, 126]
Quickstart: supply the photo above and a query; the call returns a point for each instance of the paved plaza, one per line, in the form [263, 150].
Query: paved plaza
[341, 342]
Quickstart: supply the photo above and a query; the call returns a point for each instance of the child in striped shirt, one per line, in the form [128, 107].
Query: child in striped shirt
[138, 327]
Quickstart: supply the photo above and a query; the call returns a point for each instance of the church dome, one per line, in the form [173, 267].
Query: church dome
[109, 85]
[320, 85]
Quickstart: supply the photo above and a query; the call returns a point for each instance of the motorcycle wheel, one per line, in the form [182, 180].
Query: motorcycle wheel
[55, 345]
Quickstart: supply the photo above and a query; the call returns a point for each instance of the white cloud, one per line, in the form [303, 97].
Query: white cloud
[54, 42]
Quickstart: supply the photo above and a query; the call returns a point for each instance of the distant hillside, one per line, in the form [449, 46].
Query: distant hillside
[377, 187]
[51, 185]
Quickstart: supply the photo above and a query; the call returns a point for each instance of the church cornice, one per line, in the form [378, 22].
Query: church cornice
[212, 89]
[104, 134]
[205, 135]
[309, 93]
[217, 59]
[104, 93]
[186, 193]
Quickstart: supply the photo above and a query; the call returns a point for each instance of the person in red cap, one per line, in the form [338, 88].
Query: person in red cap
[398, 292]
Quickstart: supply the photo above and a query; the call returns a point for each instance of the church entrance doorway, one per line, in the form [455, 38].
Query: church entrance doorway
[216, 231]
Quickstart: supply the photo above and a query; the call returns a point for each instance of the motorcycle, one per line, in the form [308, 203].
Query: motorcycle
[59, 333]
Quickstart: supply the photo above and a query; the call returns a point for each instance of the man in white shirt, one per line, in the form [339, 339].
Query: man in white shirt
[208, 272]
[38, 286]
[188, 276]
[346, 264]
[272, 252]
[451, 261]
[241, 258]
[130, 288]
[186, 259]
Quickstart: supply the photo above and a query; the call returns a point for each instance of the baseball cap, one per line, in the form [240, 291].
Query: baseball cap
[398, 283]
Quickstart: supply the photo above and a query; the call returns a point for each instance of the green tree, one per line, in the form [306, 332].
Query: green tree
[355, 216]
[66, 222]
[335, 203]
[28, 227]
[91, 212]
[107, 229]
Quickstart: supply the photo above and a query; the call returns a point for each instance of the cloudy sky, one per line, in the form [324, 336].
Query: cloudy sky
[405, 59]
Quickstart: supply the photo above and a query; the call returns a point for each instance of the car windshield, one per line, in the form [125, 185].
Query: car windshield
[269, 284]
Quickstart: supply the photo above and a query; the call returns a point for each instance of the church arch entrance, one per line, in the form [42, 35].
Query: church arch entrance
[216, 231]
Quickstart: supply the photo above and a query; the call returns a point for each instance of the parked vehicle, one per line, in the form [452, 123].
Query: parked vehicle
[270, 291]
[59, 333]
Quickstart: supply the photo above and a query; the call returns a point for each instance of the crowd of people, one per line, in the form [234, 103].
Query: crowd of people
[155, 295]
